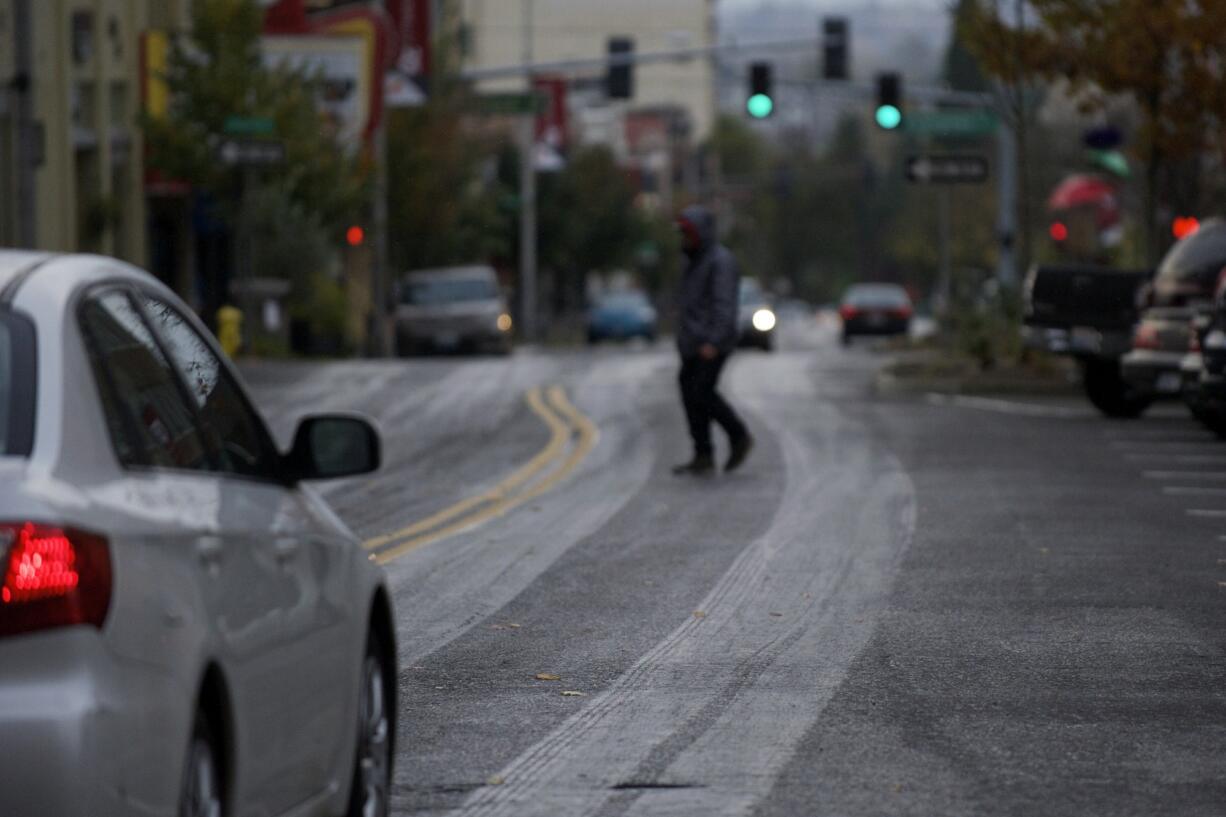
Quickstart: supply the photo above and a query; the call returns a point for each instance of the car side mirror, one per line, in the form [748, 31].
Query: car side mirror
[331, 446]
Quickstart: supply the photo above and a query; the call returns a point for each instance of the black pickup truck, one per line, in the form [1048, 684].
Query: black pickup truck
[1089, 313]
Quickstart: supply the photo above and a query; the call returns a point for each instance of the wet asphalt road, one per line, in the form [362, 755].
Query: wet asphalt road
[900, 606]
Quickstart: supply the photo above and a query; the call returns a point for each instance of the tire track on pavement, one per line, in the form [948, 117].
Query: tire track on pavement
[705, 721]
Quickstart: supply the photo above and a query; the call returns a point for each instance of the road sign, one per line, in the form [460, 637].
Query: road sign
[952, 123]
[239, 151]
[248, 126]
[947, 169]
[510, 103]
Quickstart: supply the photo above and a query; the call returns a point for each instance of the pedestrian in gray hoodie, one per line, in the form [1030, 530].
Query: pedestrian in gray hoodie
[707, 333]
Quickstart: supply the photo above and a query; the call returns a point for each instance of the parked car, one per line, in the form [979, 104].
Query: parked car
[454, 309]
[756, 318]
[185, 627]
[1179, 300]
[875, 309]
[621, 316]
[1203, 368]
[1088, 313]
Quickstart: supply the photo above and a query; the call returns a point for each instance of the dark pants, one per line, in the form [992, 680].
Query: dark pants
[699, 379]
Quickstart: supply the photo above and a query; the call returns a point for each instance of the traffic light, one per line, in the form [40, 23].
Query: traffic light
[355, 236]
[835, 42]
[761, 103]
[889, 101]
[619, 84]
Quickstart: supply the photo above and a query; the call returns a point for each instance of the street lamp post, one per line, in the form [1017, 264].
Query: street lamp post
[527, 185]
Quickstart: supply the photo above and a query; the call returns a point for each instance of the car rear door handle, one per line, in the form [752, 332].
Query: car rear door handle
[210, 549]
[285, 549]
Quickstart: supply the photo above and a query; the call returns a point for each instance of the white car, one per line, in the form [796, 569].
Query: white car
[185, 628]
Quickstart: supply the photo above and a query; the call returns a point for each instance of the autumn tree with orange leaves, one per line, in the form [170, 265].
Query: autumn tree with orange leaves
[1169, 58]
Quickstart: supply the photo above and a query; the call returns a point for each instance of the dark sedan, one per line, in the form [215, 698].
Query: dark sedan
[875, 309]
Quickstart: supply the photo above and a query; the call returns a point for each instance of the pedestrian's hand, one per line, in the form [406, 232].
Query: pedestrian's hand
[708, 351]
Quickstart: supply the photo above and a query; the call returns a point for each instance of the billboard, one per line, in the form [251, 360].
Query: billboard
[342, 65]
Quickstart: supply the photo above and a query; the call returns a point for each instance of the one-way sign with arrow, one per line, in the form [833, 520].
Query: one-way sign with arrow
[947, 169]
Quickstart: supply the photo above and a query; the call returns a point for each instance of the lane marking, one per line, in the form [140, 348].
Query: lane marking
[1006, 406]
[1155, 445]
[559, 432]
[565, 422]
[1206, 513]
[1174, 475]
[1180, 490]
[1182, 459]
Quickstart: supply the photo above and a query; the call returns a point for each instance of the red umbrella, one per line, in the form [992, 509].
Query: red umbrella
[1081, 191]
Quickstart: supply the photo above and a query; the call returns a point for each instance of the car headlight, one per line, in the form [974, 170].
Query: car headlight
[1215, 340]
[764, 320]
[504, 322]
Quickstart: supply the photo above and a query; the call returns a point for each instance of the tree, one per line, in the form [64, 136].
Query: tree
[1165, 57]
[589, 222]
[216, 73]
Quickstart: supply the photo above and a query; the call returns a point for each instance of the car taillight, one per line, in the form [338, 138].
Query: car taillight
[1146, 337]
[53, 577]
[847, 312]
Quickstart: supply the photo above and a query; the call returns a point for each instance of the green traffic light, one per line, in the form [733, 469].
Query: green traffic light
[760, 106]
[889, 117]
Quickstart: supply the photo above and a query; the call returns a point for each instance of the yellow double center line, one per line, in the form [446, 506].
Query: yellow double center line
[572, 436]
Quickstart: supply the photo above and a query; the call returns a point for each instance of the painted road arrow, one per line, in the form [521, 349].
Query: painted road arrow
[947, 169]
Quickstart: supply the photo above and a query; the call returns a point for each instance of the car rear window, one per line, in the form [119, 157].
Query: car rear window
[16, 385]
[431, 292]
[1201, 255]
[888, 297]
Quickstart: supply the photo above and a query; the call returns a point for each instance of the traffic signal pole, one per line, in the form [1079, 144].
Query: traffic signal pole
[527, 193]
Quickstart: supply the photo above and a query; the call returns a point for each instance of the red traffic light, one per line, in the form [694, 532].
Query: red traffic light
[1185, 226]
[1059, 232]
[355, 236]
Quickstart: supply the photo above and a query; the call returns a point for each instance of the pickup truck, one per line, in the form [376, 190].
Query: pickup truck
[1089, 313]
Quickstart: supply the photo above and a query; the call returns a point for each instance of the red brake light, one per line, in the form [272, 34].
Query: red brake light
[1146, 337]
[53, 577]
[847, 312]
[1059, 232]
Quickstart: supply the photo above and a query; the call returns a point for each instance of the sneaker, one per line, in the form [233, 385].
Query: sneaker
[740, 450]
[701, 464]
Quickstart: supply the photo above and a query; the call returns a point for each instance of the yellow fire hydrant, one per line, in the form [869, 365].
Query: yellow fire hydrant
[230, 329]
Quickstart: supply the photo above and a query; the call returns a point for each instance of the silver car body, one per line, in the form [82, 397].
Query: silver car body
[463, 309]
[246, 596]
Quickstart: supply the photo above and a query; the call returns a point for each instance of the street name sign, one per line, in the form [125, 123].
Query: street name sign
[947, 169]
[509, 103]
[951, 123]
[248, 126]
[251, 152]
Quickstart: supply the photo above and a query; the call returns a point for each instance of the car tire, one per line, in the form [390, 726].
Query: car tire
[1110, 393]
[372, 764]
[846, 339]
[200, 794]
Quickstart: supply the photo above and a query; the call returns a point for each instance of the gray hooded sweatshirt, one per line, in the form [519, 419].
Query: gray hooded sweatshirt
[710, 291]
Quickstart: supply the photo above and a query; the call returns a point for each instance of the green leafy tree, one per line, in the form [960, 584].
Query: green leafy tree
[217, 72]
[588, 223]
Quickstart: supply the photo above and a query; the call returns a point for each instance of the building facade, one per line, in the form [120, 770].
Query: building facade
[493, 35]
[75, 136]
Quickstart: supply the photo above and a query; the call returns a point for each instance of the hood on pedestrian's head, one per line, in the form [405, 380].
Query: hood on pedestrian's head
[701, 222]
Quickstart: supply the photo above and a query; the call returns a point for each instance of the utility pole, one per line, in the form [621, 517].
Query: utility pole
[527, 191]
[27, 150]
[380, 275]
[1006, 226]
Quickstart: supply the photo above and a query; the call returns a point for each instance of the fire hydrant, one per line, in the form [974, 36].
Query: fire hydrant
[230, 329]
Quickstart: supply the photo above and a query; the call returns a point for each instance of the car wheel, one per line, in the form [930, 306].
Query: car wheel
[846, 339]
[1110, 393]
[372, 772]
[200, 794]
